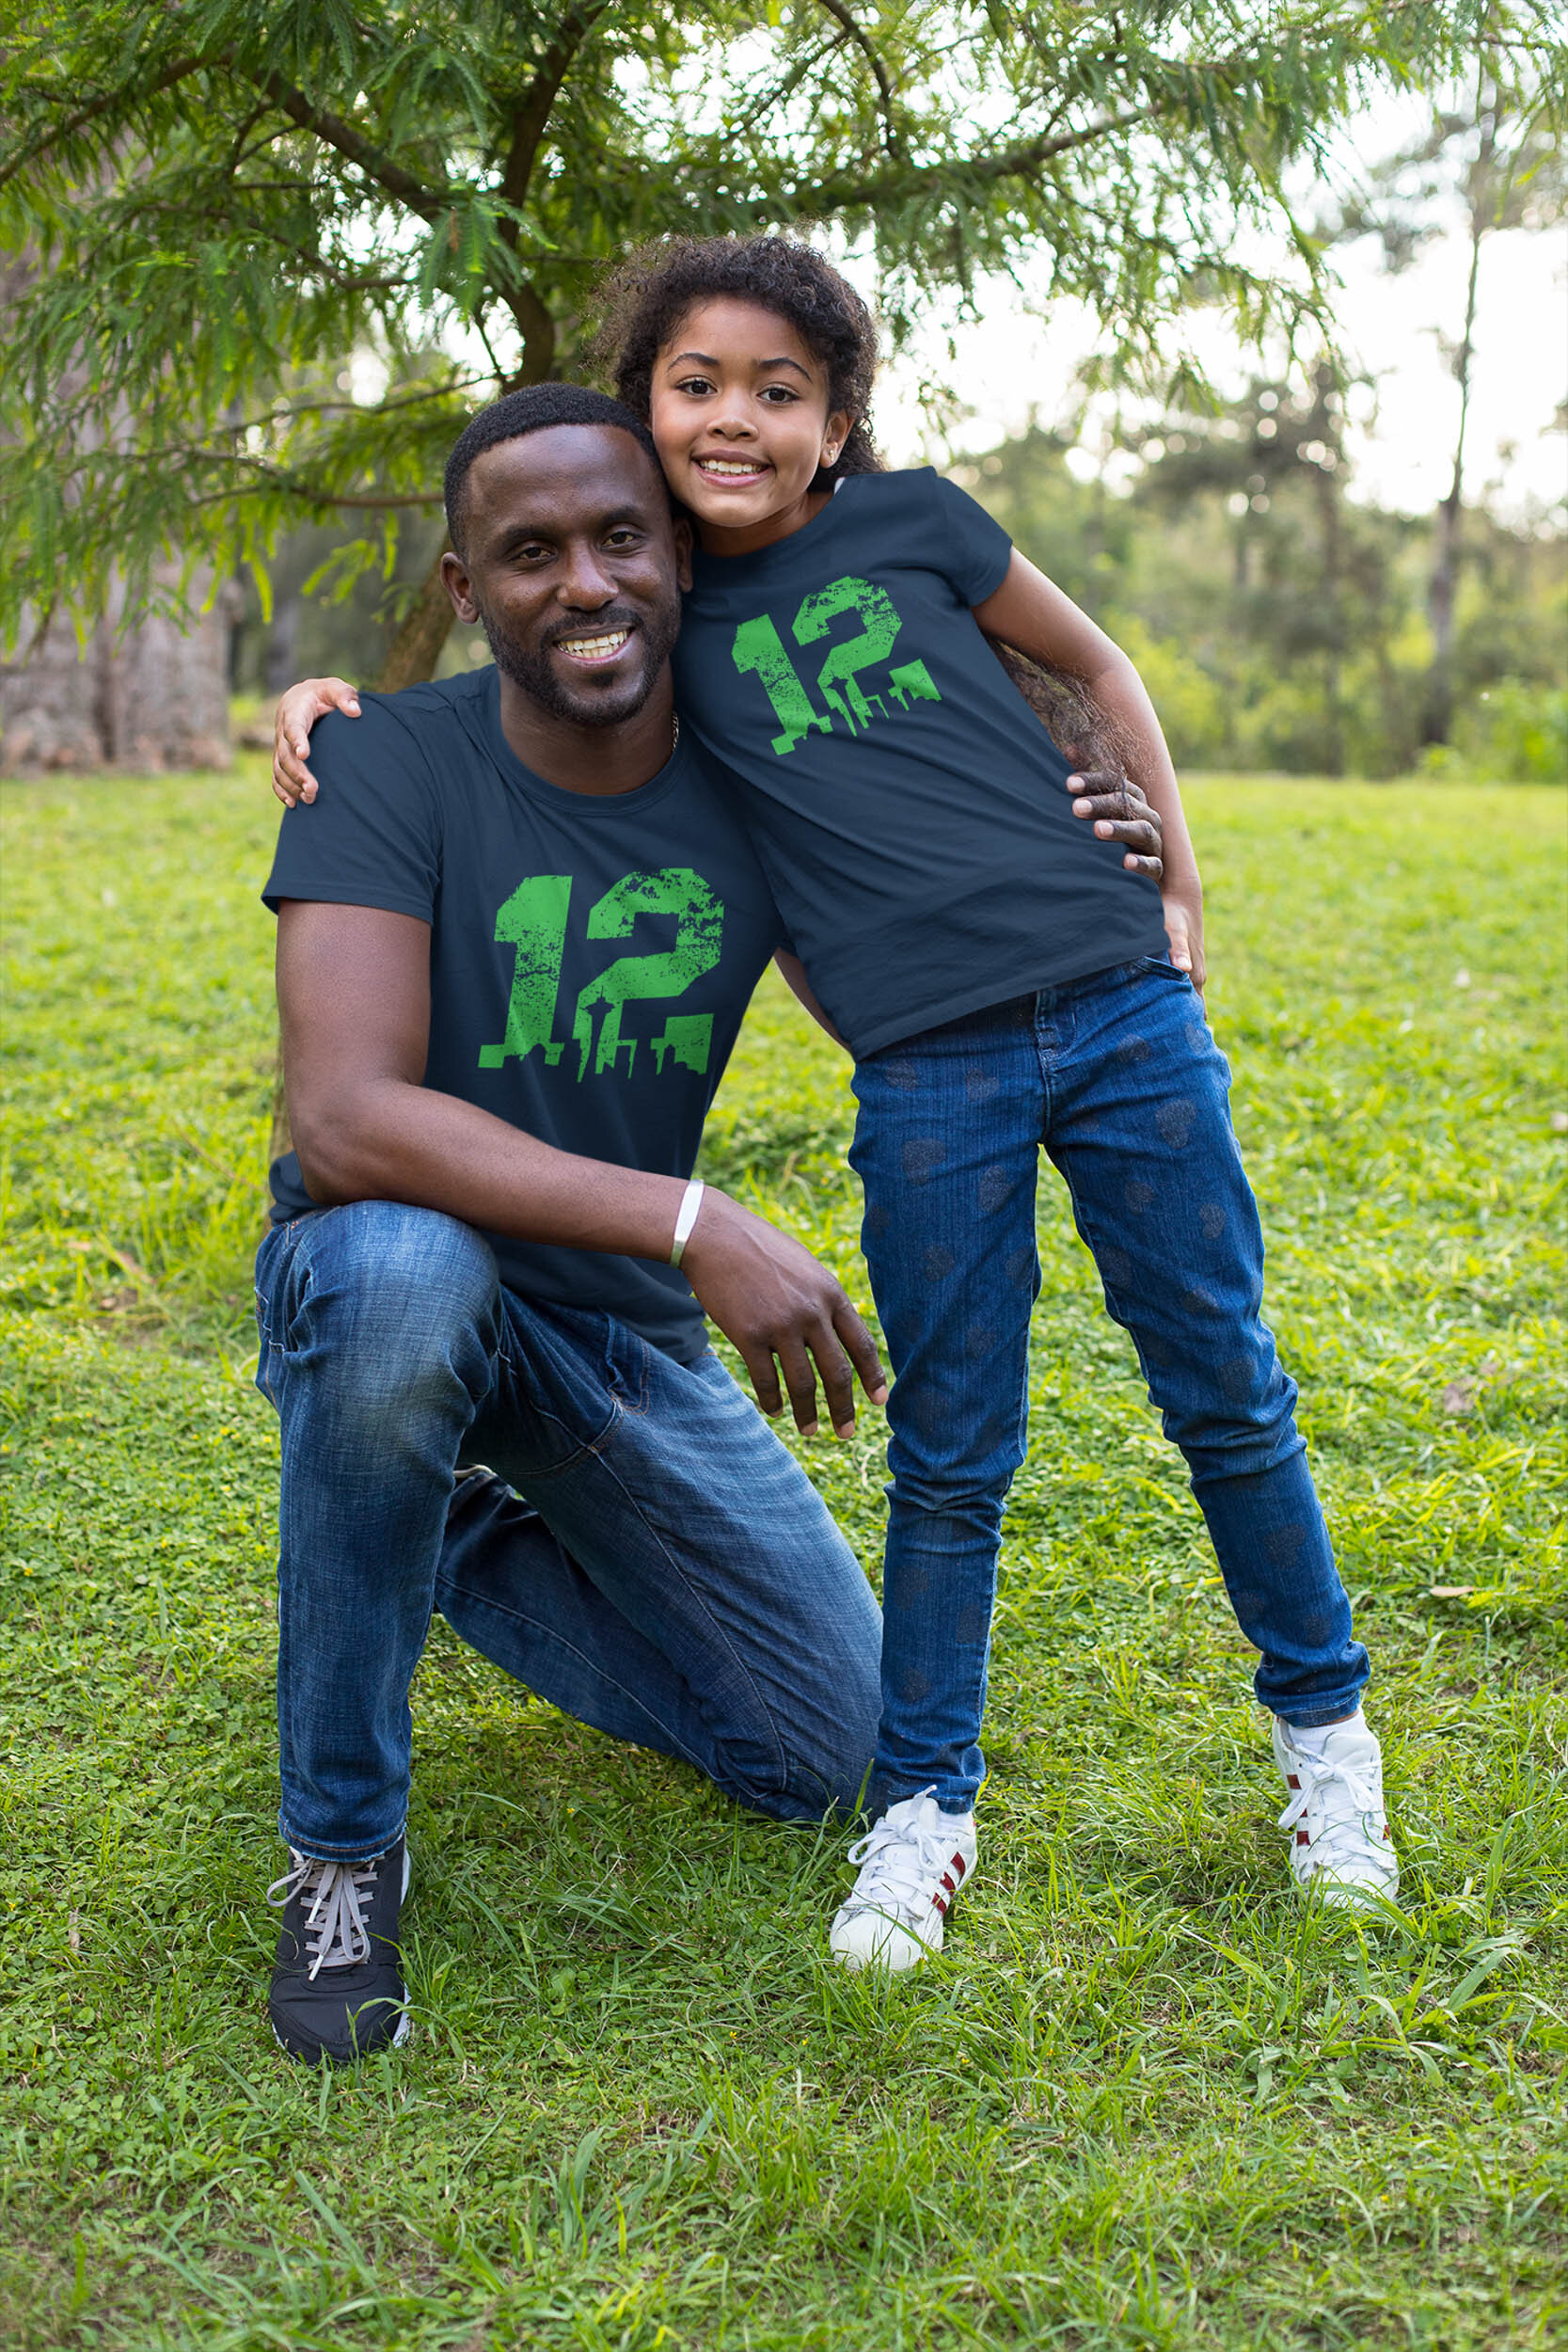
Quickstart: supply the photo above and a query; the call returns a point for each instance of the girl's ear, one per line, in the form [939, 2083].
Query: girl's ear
[835, 434]
[683, 552]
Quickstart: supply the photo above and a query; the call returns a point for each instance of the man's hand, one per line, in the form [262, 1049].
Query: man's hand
[773, 1300]
[296, 714]
[1184, 930]
[1118, 812]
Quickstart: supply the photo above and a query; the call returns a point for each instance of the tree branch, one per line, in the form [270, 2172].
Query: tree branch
[529, 125]
[78, 121]
[429, 203]
[1011, 163]
[532, 119]
[841, 15]
[304, 491]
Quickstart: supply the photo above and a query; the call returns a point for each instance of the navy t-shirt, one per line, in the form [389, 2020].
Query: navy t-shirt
[906, 802]
[591, 958]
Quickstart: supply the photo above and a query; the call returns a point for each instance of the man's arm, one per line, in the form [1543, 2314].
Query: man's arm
[1030, 613]
[353, 991]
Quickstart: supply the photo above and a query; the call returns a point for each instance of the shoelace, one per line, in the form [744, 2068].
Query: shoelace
[336, 1935]
[905, 1864]
[1347, 1796]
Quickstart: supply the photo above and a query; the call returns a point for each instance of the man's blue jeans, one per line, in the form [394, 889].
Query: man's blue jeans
[1118, 1077]
[663, 1569]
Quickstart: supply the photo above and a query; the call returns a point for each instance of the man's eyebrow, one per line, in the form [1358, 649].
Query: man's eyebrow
[551, 535]
[706, 360]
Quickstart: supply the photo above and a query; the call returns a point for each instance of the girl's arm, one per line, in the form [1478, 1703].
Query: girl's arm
[1031, 613]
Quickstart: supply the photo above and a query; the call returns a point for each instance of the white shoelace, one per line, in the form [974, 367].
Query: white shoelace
[336, 1935]
[899, 1868]
[1346, 1797]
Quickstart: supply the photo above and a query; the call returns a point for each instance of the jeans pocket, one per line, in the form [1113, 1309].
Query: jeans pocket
[1161, 966]
[628, 1366]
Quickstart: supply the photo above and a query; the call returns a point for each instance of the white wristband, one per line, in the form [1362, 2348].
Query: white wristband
[692, 1200]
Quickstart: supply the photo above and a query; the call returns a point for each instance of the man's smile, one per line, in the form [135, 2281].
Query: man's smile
[592, 648]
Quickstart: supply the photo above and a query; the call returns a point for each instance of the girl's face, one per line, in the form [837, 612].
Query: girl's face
[740, 418]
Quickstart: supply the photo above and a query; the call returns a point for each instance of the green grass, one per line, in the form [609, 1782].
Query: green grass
[1144, 2101]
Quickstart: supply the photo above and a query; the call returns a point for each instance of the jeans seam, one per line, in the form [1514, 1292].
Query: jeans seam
[553, 1634]
[584, 1447]
[737, 1663]
[590, 1448]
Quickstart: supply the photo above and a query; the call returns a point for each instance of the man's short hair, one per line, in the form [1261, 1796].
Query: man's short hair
[531, 410]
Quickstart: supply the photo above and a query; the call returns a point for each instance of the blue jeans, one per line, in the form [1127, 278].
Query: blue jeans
[648, 1557]
[1118, 1077]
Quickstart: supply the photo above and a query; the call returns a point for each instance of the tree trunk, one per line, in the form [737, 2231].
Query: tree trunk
[1438, 717]
[149, 699]
[416, 647]
[1324, 428]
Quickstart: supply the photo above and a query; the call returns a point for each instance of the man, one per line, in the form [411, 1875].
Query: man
[517, 937]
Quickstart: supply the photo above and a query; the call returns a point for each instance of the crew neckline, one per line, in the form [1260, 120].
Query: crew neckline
[560, 796]
[731, 563]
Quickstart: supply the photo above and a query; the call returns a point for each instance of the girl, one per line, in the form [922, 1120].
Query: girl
[1003, 983]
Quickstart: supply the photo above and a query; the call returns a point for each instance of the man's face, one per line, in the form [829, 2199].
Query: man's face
[572, 568]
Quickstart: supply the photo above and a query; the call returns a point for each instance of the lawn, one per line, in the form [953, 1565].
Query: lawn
[1145, 2099]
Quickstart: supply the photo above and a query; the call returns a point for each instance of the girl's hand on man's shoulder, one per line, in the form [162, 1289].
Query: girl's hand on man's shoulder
[298, 710]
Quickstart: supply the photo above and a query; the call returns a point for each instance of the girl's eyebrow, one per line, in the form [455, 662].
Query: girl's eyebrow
[706, 360]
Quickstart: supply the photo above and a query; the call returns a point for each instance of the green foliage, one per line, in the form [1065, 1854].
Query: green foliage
[1278, 623]
[1144, 2103]
[217, 201]
[1516, 728]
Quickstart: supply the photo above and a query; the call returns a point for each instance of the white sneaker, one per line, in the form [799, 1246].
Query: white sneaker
[910, 1867]
[1341, 1850]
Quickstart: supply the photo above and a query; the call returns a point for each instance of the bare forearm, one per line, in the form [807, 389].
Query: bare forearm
[385, 1139]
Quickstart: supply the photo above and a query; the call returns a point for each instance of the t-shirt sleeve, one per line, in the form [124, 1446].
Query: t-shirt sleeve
[371, 838]
[971, 549]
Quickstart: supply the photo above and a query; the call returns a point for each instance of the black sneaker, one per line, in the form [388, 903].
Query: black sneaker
[337, 1988]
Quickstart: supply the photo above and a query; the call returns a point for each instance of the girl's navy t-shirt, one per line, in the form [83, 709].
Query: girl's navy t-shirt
[591, 958]
[905, 800]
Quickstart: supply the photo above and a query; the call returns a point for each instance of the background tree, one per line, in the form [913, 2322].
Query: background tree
[1278, 628]
[228, 201]
[132, 689]
[1499, 160]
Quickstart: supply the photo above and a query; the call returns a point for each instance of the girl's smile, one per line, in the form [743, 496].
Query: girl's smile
[740, 413]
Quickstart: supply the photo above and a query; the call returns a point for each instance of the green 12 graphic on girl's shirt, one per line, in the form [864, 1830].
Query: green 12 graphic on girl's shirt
[534, 923]
[760, 650]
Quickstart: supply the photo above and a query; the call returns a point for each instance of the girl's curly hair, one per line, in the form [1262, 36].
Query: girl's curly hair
[641, 304]
[648, 294]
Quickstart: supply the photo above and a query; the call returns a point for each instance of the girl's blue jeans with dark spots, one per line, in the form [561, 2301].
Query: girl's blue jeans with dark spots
[1119, 1078]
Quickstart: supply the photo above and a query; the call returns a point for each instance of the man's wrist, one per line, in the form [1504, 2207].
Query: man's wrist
[686, 1218]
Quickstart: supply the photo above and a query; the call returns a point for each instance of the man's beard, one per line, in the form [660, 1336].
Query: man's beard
[654, 631]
